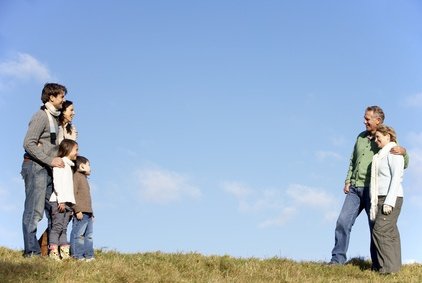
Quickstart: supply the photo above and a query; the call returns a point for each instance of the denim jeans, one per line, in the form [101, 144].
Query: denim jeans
[81, 243]
[59, 223]
[356, 200]
[38, 189]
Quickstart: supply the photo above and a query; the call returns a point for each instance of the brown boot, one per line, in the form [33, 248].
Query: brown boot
[43, 242]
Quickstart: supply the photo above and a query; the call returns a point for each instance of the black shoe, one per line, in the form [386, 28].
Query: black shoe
[31, 255]
[375, 269]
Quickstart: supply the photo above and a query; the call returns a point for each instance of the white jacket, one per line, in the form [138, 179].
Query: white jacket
[63, 183]
[63, 134]
[390, 177]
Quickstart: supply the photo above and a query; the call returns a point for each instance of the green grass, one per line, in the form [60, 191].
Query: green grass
[188, 267]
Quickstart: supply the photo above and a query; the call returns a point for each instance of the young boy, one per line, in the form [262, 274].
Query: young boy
[81, 242]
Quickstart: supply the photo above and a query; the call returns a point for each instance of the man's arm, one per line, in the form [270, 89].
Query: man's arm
[346, 188]
[350, 168]
[31, 143]
[398, 150]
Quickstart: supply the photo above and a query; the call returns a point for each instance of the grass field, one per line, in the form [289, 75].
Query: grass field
[188, 267]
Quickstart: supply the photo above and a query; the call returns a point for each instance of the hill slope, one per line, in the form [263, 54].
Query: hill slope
[190, 267]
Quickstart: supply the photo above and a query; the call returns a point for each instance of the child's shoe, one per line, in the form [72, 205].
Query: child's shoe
[54, 252]
[64, 252]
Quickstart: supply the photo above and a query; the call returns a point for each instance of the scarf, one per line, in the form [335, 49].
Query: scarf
[373, 193]
[51, 111]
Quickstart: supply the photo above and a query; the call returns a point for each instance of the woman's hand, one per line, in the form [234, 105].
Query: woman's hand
[387, 209]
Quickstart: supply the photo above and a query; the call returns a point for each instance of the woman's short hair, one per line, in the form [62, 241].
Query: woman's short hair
[387, 130]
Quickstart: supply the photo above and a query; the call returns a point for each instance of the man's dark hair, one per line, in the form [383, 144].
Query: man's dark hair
[52, 89]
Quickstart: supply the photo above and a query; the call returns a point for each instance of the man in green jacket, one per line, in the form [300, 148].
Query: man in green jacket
[357, 185]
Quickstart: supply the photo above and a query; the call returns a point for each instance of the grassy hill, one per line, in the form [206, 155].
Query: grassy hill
[190, 267]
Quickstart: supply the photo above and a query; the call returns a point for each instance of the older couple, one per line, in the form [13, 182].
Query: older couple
[373, 183]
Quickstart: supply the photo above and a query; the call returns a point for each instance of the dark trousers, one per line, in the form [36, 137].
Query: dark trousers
[59, 223]
[386, 237]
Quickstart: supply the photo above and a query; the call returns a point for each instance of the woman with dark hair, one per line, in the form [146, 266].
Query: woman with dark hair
[66, 129]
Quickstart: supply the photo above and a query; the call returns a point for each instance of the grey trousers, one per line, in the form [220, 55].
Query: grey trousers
[386, 237]
[59, 223]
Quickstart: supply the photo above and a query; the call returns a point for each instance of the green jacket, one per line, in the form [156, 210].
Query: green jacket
[359, 173]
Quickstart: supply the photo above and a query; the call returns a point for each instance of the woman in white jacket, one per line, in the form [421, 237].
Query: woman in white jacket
[386, 200]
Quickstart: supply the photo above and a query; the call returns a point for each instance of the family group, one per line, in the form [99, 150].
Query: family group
[374, 184]
[56, 181]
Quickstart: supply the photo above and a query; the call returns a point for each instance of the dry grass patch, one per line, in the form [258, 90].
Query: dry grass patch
[188, 267]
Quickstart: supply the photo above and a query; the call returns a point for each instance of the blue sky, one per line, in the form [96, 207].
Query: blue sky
[218, 127]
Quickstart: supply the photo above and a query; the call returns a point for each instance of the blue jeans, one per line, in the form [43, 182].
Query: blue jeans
[356, 200]
[38, 189]
[81, 243]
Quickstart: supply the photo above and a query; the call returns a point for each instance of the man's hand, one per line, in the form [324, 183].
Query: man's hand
[346, 188]
[398, 150]
[57, 162]
[61, 206]
[387, 209]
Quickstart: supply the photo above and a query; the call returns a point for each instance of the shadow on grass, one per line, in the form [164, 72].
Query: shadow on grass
[360, 262]
[20, 272]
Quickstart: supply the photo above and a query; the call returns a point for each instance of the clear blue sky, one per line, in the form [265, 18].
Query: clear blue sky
[219, 127]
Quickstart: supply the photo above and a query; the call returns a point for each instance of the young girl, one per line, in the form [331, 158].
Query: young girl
[82, 228]
[61, 201]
